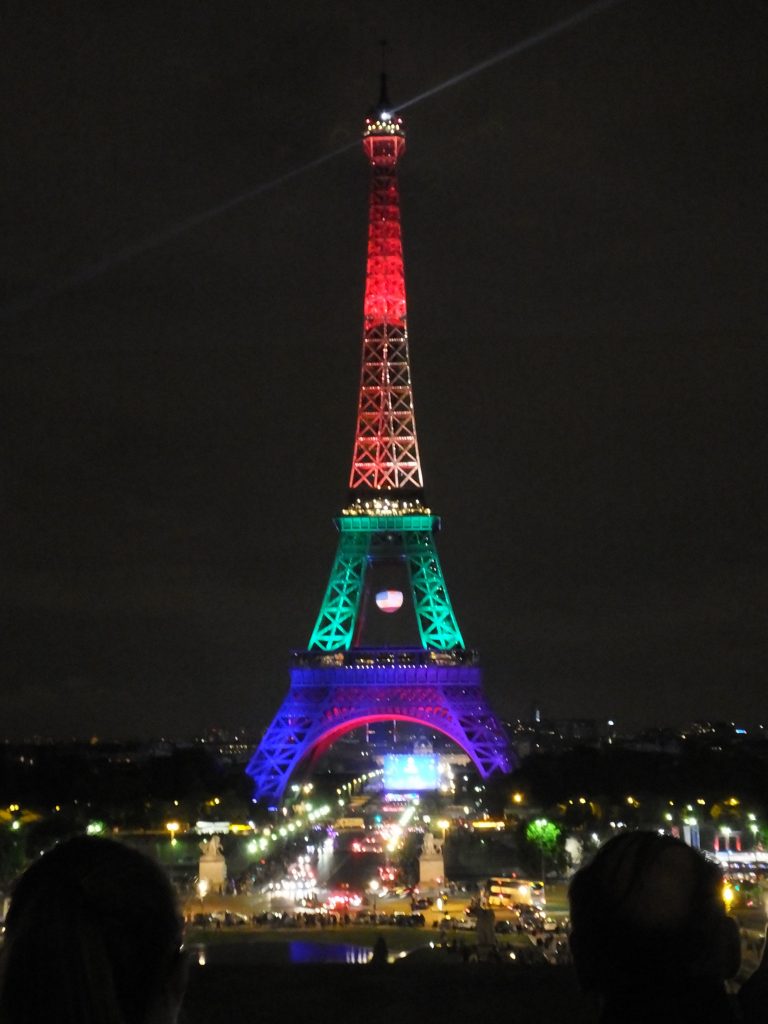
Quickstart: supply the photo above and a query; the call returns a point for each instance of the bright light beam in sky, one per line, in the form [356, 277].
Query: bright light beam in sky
[85, 274]
[513, 51]
[127, 253]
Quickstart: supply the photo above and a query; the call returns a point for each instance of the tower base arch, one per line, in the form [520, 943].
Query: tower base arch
[332, 694]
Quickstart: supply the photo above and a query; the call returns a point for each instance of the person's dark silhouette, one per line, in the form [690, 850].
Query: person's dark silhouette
[380, 952]
[92, 936]
[650, 934]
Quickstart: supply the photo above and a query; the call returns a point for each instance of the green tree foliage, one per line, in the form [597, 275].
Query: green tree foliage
[548, 839]
[544, 834]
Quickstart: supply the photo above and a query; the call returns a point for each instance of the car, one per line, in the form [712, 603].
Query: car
[408, 920]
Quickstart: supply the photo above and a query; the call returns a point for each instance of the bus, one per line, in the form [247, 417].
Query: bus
[508, 890]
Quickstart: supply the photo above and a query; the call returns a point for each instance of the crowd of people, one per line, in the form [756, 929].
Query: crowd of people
[93, 936]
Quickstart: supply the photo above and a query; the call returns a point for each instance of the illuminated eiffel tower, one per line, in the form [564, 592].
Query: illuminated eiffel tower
[386, 645]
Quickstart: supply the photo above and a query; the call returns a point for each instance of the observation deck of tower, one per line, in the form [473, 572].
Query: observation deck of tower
[386, 644]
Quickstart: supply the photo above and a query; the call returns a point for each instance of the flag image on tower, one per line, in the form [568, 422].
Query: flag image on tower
[386, 644]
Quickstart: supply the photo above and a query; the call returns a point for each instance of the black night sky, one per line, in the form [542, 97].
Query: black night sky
[586, 242]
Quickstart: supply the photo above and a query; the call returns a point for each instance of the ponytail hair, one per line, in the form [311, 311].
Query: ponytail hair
[92, 936]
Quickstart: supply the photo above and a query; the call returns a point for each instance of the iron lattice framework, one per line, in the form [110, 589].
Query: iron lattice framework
[327, 700]
[365, 539]
[386, 454]
[342, 681]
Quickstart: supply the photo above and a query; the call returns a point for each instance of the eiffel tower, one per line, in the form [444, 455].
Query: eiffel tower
[386, 645]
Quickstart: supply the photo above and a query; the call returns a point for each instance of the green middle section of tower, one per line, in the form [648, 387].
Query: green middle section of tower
[359, 538]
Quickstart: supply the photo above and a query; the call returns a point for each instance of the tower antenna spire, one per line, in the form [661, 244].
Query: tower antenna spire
[384, 103]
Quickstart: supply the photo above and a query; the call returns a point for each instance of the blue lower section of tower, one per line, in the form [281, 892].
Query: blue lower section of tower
[333, 693]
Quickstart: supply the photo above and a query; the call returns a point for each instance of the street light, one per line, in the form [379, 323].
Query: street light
[728, 895]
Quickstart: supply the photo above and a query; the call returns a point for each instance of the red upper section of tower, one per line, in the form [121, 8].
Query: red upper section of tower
[384, 143]
[386, 455]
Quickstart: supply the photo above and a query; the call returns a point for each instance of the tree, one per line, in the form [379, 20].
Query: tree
[545, 835]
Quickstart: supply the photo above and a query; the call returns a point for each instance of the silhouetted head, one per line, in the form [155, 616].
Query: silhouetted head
[648, 912]
[92, 936]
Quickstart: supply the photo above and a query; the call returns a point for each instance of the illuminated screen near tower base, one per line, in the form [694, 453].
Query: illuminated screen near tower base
[410, 771]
